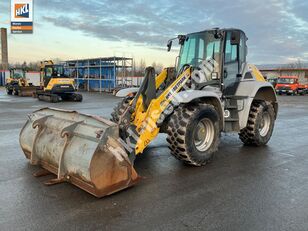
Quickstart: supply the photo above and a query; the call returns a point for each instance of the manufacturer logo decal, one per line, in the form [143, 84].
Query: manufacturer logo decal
[21, 16]
[22, 11]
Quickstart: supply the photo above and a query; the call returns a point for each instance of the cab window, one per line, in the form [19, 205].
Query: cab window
[49, 71]
[231, 50]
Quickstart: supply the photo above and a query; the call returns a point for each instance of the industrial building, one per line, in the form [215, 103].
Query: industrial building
[270, 73]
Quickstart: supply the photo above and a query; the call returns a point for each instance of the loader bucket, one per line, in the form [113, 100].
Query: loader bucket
[81, 149]
[27, 91]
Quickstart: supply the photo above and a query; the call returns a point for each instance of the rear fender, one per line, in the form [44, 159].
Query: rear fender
[255, 90]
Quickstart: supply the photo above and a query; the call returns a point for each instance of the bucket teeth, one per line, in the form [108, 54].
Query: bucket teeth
[41, 172]
[81, 149]
[54, 181]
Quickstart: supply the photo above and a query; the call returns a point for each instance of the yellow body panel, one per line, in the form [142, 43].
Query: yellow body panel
[58, 81]
[146, 121]
[257, 73]
[139, 106]
[9, 80]
[21, 81]
[161, 78]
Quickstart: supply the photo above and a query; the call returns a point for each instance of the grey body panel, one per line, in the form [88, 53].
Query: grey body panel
[125, 92]
[246, 92]
[249, 89]
[190, 95]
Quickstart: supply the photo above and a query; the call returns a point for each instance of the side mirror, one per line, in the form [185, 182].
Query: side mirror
[235, 38]
[169, 45]
[182, 39]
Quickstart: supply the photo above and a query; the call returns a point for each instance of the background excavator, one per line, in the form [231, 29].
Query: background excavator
[55, 85]
[212, 90]
[18, 84]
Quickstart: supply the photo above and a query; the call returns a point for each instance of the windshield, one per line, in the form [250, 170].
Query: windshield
[286, 80]
[54, 71]
[199, 47]
[17, 76]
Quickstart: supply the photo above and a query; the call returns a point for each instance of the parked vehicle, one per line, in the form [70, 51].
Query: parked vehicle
[18, 84]
[290, 85]
[273, 81]
[55, 85]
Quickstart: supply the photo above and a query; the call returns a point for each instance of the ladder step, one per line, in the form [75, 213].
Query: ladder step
[235, 97]
[231, 120]
[231, 107]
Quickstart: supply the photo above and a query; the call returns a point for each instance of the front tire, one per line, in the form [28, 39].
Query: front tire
[120, 109]
[9, 92]
[260, 124]
[15, 91]
[193, 133]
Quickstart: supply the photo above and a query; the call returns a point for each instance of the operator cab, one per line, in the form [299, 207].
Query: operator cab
[53, 71]
[223, 49]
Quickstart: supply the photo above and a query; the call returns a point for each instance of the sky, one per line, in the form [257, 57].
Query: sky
[73, 29]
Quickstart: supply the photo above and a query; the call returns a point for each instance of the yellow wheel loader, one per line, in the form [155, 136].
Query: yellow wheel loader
[18, 84]
[55, 85]
[212, 90]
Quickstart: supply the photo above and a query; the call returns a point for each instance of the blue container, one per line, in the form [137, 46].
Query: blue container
[2, 78]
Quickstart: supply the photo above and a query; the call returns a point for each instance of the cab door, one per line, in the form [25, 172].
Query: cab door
[48, 70]
[235, 55]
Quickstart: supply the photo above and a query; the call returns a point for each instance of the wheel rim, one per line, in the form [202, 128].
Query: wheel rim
[265, 124]
[204, 135]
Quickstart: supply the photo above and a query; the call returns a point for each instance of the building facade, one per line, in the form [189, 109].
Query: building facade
[302, 73]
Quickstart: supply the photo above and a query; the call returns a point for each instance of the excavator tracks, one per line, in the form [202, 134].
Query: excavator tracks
[55, 98]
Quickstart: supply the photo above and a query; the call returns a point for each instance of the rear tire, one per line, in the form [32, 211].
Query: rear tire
[193, 133]
[260, 124]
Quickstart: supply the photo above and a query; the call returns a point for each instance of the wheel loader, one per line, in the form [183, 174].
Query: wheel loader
[212, 90]
[18, 84]
[55, 85]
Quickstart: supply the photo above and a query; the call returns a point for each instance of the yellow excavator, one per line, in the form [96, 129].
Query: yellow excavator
[18, 84]
[211, 90]
[56, 86]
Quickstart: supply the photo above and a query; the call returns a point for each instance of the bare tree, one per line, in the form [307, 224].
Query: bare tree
[158, 67]
[295, 65]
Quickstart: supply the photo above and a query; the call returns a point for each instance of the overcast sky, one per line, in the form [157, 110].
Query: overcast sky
[277, 29]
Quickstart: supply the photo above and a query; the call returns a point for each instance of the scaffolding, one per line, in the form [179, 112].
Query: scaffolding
[101, 74]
